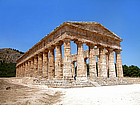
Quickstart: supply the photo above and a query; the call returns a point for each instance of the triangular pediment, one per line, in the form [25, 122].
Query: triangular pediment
[94, 27]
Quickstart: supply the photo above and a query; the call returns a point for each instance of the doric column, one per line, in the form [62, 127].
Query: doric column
[92, 63]
[67, 72]
[23, 68]
[32, 67]
[26, 68]
[73, 69]
[19, 71]
[85, 66]
[112, 72]
[51, 69]
[81, 72]
[58, 62]
[107, 64]
[102, 63]
[98, 66]
[35, 66]
[40, 64]
[119, 64]
[29, 68]
[45, 64]
[16, 71]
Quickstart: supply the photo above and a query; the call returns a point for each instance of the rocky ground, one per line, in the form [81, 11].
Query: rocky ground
[16, 91]
[13, 93]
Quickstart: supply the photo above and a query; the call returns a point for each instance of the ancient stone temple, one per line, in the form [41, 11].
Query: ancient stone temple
[51, 57]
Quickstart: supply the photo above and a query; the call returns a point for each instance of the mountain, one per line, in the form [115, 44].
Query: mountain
[8, 55]
[8, 59]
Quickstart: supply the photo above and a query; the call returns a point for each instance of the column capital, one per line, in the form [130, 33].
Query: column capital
[40, 53]
[110, 49]
[118, 51]
[31, 58]
[59, 43]
[67, 40]
[52, 47]
[45, 51]
[91, 44]
[100, 47]
[78, 42]
[35, 56]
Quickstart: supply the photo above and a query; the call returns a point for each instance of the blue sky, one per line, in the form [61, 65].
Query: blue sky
[24, 22]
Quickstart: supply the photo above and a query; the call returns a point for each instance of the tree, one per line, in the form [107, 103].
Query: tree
[131, 71]
[7, 69]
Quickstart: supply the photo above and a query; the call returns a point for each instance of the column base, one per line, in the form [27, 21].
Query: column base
[81, 79]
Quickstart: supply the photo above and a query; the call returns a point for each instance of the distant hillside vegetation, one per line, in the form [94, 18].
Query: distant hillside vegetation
[9, 55]
[8, 58]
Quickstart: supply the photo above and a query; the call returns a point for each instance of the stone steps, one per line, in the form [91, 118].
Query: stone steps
[65, 83]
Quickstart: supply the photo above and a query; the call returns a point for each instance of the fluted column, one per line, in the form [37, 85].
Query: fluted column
[119, 64]
[85, 66]
[112, 72]
[58, 62]
[19, 71]
[22, 69]
[67, 72]
[73, 69]
[51, 69]
[102, 63]
[35, 66]
[107, 64]
[81, 72]
[45, 64]
[32, 67]
[16, 71]
[92, 63]
[40, 64]
[26, 68]
[29, 68]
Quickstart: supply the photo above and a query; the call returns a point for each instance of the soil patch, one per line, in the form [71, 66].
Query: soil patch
[15, 94]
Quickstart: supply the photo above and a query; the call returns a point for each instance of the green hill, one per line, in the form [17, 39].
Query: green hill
[8, 58]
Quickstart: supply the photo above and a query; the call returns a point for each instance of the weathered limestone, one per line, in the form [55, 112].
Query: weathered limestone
[51, 70]
[23, 69]
[45, 64]
[112, 72]
[92, 63]
[102, 63]
[67, 72]
[119, 64]
[46, 59]
[29, 71]
[73, 69]
[85, 66]
[81, 73]
[107, 64]
[35, 66]
[40, 64]
[32, 67]
[26, 68]
[58, 62]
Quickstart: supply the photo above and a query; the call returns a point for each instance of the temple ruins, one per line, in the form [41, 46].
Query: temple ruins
[51, 57]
